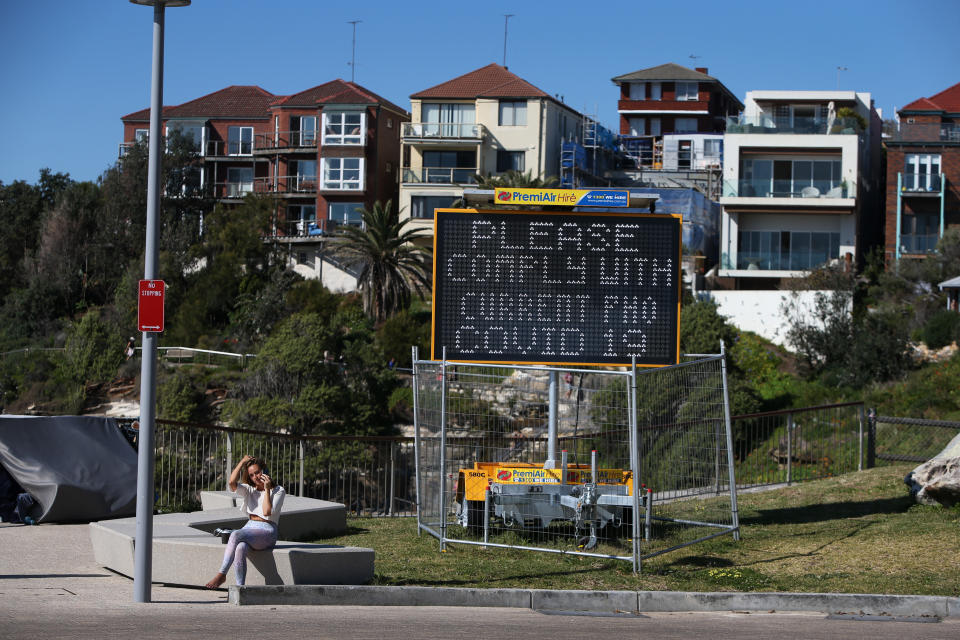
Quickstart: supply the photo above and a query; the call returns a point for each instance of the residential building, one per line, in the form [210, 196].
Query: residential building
[923, 175]
[800, 185]
[673, 118]
[322, 153]
[485, 122]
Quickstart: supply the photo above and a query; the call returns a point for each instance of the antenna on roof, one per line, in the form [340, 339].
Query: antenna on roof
[839, 69]
[506, 17]
[694, 58]
[353, 50]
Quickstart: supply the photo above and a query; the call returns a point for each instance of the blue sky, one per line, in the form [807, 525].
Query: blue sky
[72, 68]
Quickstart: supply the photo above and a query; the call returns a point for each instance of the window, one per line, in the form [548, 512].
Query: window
[345, 127]
[141, 134]
[513, 113]
[687, 91]
[791, 178]
[654, 126]
[239, 181]
[303, 131]
[684, 154]
[637, 126]
[685, 125]
[921, 172]
[510, 161]
[343, 174]
[421, 207]
[304, 175]
[655, 92]
[449, 120]
[301, 213]
[638, 91]
[449, 167]
[239, 141]
[786, 250]
[346, 213]
[712, 150]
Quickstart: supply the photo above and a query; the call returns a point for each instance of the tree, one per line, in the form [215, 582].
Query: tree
[391, 265]
[513, 178]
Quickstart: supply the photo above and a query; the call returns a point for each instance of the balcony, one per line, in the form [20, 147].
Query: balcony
[223, 190]
[762, 261]
[286, 185]
[805, 126]
[926, 132]
[419, 132]
[303, 229]
[785, 189]
[286, 140]
[440, 175]
[927, 184]
[916, 243]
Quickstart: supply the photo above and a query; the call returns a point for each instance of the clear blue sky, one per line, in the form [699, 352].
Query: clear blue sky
[71, 68]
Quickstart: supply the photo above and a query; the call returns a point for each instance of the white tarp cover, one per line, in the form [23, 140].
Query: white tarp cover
[77, 468]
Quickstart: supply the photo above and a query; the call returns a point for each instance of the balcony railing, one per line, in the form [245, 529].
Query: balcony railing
[770, 124]
[784, 189]
[285, 184]
[918, 242]
[927, 132]
[304, 228]
[286, 140]
[232, 189]
[441, 175]
[442, 131]
[775, 260]
[921, 183]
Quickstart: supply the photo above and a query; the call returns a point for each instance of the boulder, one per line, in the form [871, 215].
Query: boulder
[937, 481]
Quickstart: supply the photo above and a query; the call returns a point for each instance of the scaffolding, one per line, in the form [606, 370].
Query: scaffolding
[583, 162]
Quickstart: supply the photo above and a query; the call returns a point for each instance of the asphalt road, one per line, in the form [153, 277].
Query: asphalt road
[50, 587]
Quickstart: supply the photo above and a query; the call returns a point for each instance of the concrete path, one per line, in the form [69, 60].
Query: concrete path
[51, 587]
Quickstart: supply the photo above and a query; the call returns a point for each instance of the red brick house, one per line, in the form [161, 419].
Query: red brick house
[923, 175]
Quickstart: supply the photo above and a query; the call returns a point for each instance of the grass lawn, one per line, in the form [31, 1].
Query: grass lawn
[857, 533]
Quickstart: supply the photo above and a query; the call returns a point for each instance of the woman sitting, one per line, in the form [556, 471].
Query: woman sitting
[262, 502]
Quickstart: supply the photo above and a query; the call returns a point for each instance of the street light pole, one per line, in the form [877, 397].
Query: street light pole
[143, 548]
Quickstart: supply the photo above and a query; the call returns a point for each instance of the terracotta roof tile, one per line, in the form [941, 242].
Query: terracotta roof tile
[233, 102]
[947, 100]
[492, 80]
[668, 71]
[335, 92]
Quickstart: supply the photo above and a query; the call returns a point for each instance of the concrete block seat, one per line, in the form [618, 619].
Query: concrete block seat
[185, 551]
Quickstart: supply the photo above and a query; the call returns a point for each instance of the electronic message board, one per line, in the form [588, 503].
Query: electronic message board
[556, 287]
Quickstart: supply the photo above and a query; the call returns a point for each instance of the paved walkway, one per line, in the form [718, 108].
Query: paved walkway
[50, 587]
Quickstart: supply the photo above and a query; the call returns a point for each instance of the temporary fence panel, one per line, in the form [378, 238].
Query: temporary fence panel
[492, 470]
[909, 439]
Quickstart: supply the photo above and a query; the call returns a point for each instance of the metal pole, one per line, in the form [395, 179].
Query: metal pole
[393, 474]
[506, 18]
[229, 469]
[416, 434]
[730, 468]
[872, 439]
[143, 550]
[789, 448]
[486, 515]
[635, 465]
[860, 438]
[443, 450]
[551, 462]
[300, 455]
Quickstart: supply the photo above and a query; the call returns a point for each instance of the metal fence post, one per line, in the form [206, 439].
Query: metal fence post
[416, 435]
[229, 456]
[633, 425]
[443, 450]
[393, 475]
[872, 439]
[860, 438]
[730, 468]
[301, 468]
[789, 448]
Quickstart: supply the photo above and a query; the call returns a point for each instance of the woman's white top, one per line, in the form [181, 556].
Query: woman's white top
[253, 501]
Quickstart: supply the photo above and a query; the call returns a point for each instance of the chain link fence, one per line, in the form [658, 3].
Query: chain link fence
[613, 464]
[896, 439]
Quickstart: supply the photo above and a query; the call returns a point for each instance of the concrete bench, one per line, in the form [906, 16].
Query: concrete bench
[186, 553]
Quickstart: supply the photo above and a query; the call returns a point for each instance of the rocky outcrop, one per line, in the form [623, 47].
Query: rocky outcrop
[937, 481]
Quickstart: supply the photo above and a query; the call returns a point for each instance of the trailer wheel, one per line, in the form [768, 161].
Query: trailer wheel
[474, 516]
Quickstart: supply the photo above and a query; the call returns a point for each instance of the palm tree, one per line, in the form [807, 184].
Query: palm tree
[392, 267]
[514, 178]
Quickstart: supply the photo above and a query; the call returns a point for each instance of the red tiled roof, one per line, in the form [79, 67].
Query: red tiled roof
[335, 92]
[947, 100]
[492, 80]
[233, 102]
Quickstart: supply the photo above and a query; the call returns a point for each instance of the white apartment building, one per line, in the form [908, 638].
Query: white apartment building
[485, 122]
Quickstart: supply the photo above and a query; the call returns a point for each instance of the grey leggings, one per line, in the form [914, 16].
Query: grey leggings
[254, 535]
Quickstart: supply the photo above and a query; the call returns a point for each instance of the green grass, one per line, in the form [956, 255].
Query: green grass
[857, 533]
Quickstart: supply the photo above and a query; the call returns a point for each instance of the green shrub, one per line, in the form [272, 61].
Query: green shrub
[941, 329]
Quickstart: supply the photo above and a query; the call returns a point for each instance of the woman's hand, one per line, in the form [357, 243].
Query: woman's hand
[267, 481]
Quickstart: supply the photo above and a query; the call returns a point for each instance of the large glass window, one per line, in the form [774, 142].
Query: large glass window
[239, 181]
[687, 91]
[786, 250]
[655, 91]
[921, 172]
[448, 120]
[239, 141]
[346, 213]
[511, 161]
[344, 174]
[303, 131]
[304, 174]
[685, 125]
[513, 113]
[637, 126]
[638, 90]
[345, 127]
[712, 150]
[192, 132]
[422, 207]
[449, 166]
[792, 178]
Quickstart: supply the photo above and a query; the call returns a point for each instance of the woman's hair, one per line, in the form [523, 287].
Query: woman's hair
[257, 461]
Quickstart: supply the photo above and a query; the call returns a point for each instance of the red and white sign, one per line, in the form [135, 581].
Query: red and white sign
[150, 307]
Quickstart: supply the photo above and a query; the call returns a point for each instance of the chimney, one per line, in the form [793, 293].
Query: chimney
[702, 70]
